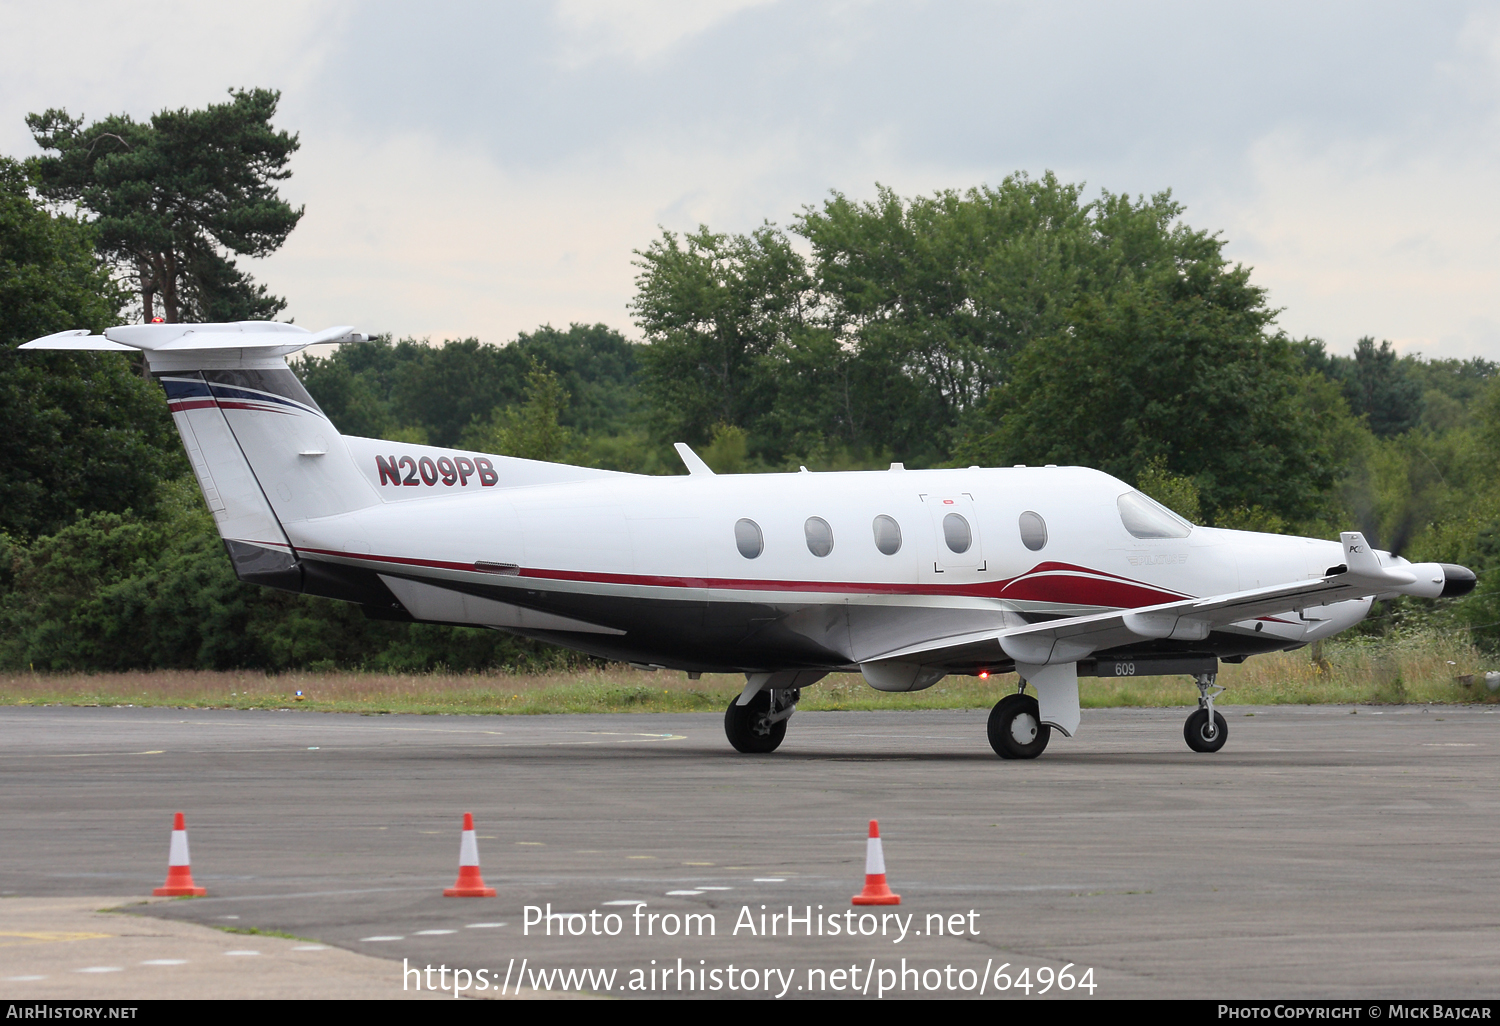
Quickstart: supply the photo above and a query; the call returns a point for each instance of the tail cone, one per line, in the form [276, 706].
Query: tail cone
[470, 884]
[876, 891]
[179, 874]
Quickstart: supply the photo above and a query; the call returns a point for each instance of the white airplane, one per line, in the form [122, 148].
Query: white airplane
[904, 576]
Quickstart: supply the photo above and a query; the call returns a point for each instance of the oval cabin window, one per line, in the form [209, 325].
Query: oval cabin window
[747, 538]
[1033, 531]
[956, 533]
[887, 535]
[819, 536]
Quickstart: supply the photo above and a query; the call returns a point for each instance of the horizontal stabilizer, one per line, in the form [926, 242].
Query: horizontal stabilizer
[77, 341]
[197, 340]
[261, 338]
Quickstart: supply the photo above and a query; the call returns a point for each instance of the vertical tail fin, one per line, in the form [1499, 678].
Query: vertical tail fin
[257, 545]
[264, 454]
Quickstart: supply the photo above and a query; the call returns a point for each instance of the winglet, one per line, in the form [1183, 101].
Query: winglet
[1361, 560]
[694, 462]
[1358, 556]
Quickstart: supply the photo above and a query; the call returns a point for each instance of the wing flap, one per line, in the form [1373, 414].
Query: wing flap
[944, 644]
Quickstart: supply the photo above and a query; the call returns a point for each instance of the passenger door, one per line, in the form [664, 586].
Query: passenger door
[955, 530]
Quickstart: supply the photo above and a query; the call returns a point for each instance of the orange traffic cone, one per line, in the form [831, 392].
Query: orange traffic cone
[876, 892]
[469, 883]
[179, 875]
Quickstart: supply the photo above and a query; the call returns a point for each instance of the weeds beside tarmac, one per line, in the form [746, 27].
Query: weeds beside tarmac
[1427, 668]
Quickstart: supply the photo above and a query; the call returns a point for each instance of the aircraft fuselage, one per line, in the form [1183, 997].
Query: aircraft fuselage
[659, 560]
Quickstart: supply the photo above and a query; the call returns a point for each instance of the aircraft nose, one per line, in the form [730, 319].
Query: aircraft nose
[1457, 580]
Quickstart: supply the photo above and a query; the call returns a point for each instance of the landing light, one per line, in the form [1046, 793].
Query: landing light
[984, 674]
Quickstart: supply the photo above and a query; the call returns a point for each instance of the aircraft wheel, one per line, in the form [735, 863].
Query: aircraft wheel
[747, 729]
[1016, 729]
[1203, 737]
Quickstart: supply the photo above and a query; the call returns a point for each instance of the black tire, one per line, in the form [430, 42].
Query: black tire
[1200, 737]
[747, 729]
[1014, 719]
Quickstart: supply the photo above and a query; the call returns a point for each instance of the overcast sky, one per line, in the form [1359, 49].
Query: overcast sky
[483, 168]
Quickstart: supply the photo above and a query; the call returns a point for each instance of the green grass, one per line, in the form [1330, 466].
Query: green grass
[1420, 669]
[253, 931]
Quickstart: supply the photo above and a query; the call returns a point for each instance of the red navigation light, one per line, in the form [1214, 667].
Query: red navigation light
[984, 674]
[158, 320]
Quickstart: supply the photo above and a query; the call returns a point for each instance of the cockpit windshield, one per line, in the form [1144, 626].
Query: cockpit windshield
[1144, 517]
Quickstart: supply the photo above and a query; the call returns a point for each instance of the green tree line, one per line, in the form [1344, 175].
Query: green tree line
[1016, 323]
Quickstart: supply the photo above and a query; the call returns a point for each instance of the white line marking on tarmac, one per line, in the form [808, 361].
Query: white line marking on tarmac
[83, 755]
[433, 933]
[101, 969]
[769, 879]
[165, 961]
[23, 979]
[705, 888]
[242, 952]
[483, 926]
[626, 901]
[311, 947]
[628, 738]
[683, 894]
[374, 940]
[301, 894]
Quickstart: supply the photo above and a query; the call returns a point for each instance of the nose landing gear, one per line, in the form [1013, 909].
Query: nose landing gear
[1206, 730]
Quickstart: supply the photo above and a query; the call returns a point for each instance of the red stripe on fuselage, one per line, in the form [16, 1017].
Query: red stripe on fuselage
[1063, 583]
[205, 402]
[237, 404]
[1075, 589]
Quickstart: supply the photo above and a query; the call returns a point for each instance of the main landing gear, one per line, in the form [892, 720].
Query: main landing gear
[1016, 729]
[760, 726]
[1205, 730]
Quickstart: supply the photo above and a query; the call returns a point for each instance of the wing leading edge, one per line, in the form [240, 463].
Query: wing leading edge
[1046, 655]
[1064, 641]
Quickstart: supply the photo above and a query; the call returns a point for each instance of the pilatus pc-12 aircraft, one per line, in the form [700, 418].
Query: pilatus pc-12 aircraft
[903, 576]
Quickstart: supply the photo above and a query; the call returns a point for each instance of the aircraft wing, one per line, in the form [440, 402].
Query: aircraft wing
[1074, 638]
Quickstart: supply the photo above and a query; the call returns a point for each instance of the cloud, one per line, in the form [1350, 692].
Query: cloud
[474, 168]
[419, 237]
[138, 59]
[1373, 238]
[640, 30]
